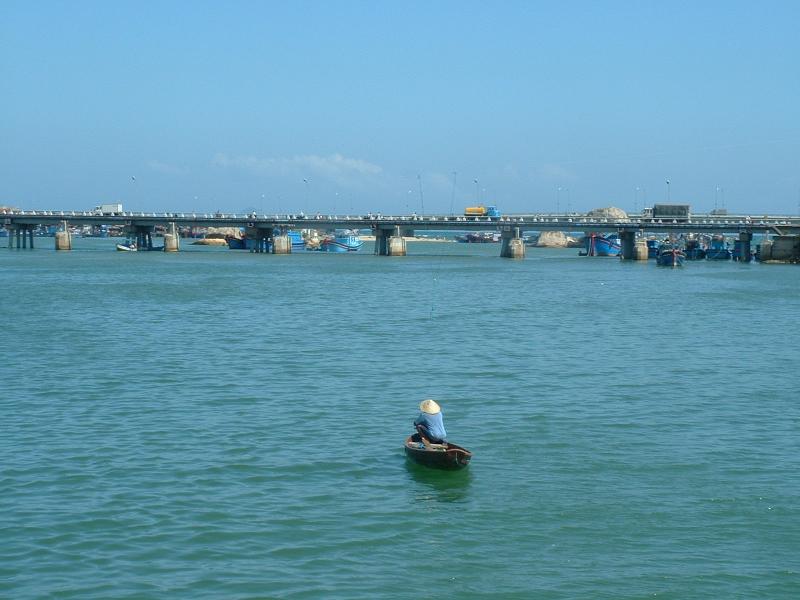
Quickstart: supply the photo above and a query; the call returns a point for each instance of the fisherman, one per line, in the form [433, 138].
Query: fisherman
[429, 423]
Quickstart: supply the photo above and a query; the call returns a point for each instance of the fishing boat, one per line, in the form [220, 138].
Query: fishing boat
[438, 456]
[479, 237]
[670, 256]
[694, 250]
[652, 248]
[602, 245]
[127, 247]
[718, 249]
[342, 241]
[246, 243]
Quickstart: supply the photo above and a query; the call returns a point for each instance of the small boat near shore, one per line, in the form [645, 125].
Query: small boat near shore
[437, 456]
[127, 247]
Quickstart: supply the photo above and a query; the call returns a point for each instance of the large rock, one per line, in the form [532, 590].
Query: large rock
[555, 239]
[221, 233]
[609, 212]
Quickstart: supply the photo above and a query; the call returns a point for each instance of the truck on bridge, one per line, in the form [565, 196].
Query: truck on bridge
[680, 213]
[481, 211]
[108, 209]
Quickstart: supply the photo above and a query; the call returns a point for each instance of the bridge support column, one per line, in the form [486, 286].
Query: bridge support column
[172, 239]
[30, 233]
[24, 231]
[382, 242]
[628, 244]
[512, 244]
[63, 237]
[263, 236]
[743, 246]
[396, 245]
[281, 244]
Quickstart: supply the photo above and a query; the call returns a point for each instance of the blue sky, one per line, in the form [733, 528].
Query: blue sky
[353, 106]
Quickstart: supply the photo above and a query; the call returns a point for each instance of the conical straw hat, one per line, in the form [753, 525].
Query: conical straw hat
[429, 406]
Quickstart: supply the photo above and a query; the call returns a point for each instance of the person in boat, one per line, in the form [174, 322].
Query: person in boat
[429, 423]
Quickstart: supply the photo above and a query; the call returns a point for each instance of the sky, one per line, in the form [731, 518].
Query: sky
[400, 107]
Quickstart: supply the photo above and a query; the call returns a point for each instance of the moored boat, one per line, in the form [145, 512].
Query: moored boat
[246, 243]
[439, 456]
[652, 248]
[694, 250]
[342, 241]
[131, 247]
[602, 245]
[718, 249]
[670, 256]
[479, 237]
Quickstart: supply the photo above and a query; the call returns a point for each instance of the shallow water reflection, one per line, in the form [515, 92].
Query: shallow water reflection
[439, 484]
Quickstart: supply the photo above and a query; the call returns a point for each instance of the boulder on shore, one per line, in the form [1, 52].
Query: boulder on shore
[221, 233]
[555, 239]
[609, 212]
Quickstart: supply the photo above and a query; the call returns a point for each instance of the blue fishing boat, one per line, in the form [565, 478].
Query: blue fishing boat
[694, 250]
[342, 241]
[652, 248]
[670, 255]
[245, 243]
[718, 249]
[602, 245]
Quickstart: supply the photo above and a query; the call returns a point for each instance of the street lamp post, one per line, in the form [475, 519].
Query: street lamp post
[477, 193]
[668, 196]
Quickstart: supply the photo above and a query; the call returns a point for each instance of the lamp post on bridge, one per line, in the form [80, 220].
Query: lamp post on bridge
[668, 196]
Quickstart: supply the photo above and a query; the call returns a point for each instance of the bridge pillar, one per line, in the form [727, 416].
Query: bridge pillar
[281, 244]
[628, 244]
[382, 241]
[742, 247]
[512, 243]
[263, 237]
[172, 239]
[30, 234]
[396, 245]
[63, 237]
[143, 235]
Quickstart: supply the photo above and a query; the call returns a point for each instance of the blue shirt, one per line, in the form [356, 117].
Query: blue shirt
[434, 423]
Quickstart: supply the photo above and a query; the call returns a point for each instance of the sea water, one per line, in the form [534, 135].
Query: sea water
[222, 424]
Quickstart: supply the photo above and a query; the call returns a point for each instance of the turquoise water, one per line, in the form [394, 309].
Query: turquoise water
[220, 424]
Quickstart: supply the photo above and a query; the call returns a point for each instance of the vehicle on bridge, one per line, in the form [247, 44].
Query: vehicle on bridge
[481, 211]
[679, 213]
[108, 209]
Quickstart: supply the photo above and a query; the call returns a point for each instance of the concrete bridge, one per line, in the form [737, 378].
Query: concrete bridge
[391, 231]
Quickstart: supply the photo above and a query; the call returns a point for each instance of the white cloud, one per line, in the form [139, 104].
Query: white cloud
[335, 167]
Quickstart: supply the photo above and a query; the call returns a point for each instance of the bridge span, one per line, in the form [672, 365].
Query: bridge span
[390, 230]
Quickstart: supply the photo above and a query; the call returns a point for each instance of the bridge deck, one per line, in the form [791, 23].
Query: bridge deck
[525, 222]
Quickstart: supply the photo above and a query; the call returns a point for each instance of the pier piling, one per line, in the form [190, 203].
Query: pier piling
[63, 239]
[512, 244]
